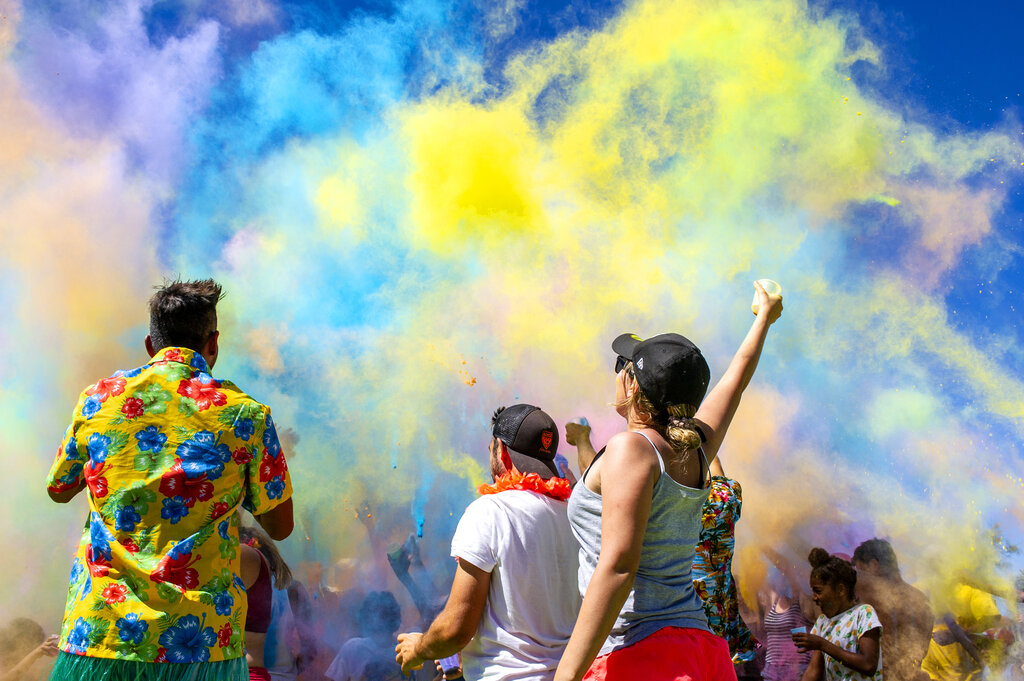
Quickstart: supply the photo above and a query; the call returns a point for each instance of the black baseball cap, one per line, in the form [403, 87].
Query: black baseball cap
[531, 437]
[668, 367]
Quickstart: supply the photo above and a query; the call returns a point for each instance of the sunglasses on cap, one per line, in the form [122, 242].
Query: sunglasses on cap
[621, 362]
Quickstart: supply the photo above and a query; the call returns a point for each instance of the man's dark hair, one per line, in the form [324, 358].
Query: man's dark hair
[184, 314]
[880, 550]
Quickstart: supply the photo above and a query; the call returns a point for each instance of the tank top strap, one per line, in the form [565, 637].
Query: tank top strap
[661, 461]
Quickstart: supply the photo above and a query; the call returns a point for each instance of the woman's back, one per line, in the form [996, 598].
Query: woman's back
[662, 593]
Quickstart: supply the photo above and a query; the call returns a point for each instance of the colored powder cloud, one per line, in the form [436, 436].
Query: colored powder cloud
[407, 245]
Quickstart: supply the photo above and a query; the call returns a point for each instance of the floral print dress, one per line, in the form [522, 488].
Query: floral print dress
[712, 568]
[168, 454]
[844, 630]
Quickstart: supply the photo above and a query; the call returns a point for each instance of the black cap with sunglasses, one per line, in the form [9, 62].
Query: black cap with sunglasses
[669, 368]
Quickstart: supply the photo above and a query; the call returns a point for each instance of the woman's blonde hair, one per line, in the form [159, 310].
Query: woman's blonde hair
[256, 536]
[674, 423]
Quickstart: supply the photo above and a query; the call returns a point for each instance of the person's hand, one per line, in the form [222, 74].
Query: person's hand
[49, 646]
[576, 433]
[398, 558]
[806, 642]
[767, 305]
[453, 674]
[412, 549]
[405, 652]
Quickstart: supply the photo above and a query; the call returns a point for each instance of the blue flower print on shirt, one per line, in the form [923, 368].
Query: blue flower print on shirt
[100, 538]
[203, 455]
[188, 640]
[270, 440]
[222, 602]
[275, 488]
[71, 477]
[150, 438]
[174, 509]
[222, 529]
[182, 548]
[91, 406]
[71, 450]
[244, 428]
[130, 373]
[131, 629]
[199, 362]
[126, 518]
[239, 583]
[97, 447]
[76, 570]
[78, 637]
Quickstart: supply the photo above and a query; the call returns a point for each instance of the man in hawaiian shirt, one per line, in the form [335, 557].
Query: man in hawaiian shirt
[168, 454]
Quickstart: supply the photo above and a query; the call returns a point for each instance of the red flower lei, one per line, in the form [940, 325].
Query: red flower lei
[556, 488]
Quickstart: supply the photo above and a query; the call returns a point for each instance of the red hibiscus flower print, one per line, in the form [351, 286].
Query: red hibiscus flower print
[241, 456]
[133, 408]
[174, 355]
[114, 593]
[97, 563]
[174, 483]
[224, 635]
[161, 655]
[177, 571]
[272, 467]
[94, 478]
[219, 509]
[204, 394]
[129, 545]
[106, 387]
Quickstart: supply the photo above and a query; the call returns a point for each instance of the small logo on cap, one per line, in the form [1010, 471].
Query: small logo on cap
[546, 436]
[640, 364]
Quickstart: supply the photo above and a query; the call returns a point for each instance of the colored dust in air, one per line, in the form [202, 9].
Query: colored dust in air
[416, 224]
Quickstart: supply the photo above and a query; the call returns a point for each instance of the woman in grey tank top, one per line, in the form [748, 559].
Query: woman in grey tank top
[636, 513]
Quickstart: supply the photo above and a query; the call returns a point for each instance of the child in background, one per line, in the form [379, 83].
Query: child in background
[846, 639]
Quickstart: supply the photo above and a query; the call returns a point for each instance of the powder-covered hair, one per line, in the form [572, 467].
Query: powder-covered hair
[880, 550]
[832, 570]
[675, 424]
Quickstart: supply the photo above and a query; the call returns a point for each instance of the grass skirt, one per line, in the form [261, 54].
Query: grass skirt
[79, 667]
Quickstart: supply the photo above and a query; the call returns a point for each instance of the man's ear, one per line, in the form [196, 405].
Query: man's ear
[506, 460]
[212, 346]
[149, 346]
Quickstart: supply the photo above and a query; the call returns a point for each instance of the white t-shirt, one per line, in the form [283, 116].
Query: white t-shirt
[523, 539]
[845, 630]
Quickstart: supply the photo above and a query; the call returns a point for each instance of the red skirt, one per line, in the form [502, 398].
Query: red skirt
[669, 654]
[258, 674]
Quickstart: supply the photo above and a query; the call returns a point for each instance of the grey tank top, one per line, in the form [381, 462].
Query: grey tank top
[662, 593]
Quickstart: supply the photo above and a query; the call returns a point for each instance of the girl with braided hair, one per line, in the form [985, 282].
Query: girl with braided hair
[845, 642]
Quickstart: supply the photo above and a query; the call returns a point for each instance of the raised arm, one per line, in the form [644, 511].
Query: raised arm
[716, 411]
[578, 435]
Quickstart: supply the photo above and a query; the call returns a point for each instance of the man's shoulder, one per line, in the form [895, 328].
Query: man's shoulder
[518, 503]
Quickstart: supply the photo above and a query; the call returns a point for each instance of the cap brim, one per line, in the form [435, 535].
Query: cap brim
[625, 344]
[527, 464]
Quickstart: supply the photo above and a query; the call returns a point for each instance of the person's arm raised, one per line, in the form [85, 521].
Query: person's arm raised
[628, 472]
[716, 411]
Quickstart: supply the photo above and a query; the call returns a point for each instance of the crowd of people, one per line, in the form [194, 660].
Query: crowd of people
[625, 573]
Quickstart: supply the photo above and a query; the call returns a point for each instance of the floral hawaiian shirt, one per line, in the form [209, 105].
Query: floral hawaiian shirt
[712, 567]
[168, 454]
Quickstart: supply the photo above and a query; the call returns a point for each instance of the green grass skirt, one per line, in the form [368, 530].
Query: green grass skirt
[79, 667]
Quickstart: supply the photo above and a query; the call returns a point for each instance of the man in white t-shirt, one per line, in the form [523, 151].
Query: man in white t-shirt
[514, 599]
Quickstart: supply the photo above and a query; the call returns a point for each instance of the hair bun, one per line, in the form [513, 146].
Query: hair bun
[818, 557]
